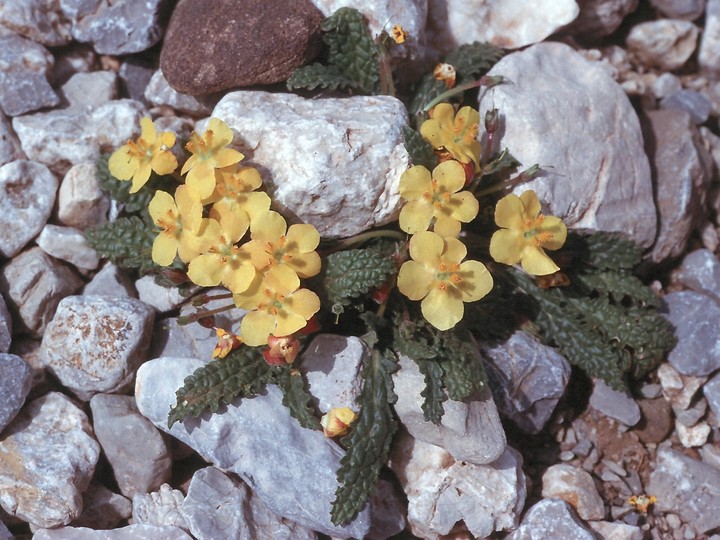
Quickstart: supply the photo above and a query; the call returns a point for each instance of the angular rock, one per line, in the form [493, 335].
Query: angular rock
[339, 163]
[697, 105]
[68, 244]
[576, 487]
[90, 90]
[135, 74]
[47, 458]
[696, 318]
[711, 391]
[551, 518]
[159, 92]
[33, 284]
[470, 430]
[260, 427]
[121, 27]
[665, 84]
[617, 405]
[616, 531]
[161, 507]
[692, 436]
[10, 149]
[442, 491]
[94, 344]
[5, 327]
[15, 380]
[599, 18]
[131, 532]
[205, 51]
[140, 463]
[700, 272]
[456, 22]
[38, 20]
[110, 281]
[81, 202]
[678, 389]
[598, 173]
[102, 509]
[709, 53]
[158, 296]
[688, 10]
[688, 487]
[27, 195]
[527, 379]
[217, 506]
[23, 79]
[666, 44]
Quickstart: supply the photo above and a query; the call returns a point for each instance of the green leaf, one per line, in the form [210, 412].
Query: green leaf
[126, 242]
[434, 391]
[317, 75]
[242, 373]
[504, 162]
[119, 190]
[351, 47]
[412, 339]
[619, 286]
[604, 250]
[464, 371]
[296, 398]
[368, 442]
[421, 151]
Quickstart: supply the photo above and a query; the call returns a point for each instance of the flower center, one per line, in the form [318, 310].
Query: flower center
[438, 196]
[274, 303]
[447, 276]
[201, 146]
[170, 225]
[534, 232]
[139, 149]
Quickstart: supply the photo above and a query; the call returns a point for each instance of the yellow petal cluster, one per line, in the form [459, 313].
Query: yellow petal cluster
[526, 234]
[454, 133]
[337, 421]
[178, 219]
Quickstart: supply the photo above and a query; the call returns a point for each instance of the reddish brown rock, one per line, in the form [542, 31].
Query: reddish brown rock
[656, 421]
[212, 45]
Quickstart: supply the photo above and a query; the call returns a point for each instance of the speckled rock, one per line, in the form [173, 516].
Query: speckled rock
[551, 518]
[68, 244]
[95, 343]
[205, 50]
[160, 507]
[47, 492]
[665, 44]
[81, 202]
[576, 487]
[15, 380]
[700, 271]
[561, 106]
[10, 149]
[38, 20]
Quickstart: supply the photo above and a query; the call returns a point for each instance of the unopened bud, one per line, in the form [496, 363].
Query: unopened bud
[491, 120]
[337, 421]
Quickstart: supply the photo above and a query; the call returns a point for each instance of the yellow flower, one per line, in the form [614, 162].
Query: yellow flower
[273, 243]
[179, 220]
[150, 152]
[642, 502]
[436, 197]
[279, 307]
[221, 260]
[226, 343]
[281, 350]
[445, 72]
[526, 233]
[337, 421]
[208, 153]
[456, 133]
[398, 34]
[438, 278]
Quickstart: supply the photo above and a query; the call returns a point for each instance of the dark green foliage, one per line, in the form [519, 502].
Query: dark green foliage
[421, 151]
[604, 250]
[434, 392]
[126, 242]
[368, 442]
[296, 397]
[242, 373]
[464, 372]
[119, 190]
[502, 163]
[353, 273]
[353, 56]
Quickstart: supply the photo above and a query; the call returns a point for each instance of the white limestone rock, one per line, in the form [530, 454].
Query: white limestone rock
[27, 195]
[470, 430]
[616, 530]
[161, 507]
[442, 491]
[158, 296]
[258, 440]
[569, 116]
[159, 92]
[709, 54]
[95, 343]
[551, 518]
[68, 244]
[47, 458]
[666, 43]
[90, 90]
[576, 487]
[334, 162]
[131, 532]
[510, 25]
[10, 149]
[81, 202]
[39, 20]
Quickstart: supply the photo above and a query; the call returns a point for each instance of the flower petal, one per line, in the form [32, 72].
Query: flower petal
[530, 203]
[415, 216]
[305, 237]
[506, 246]
[256, 326]
[164, 249]
[446, 226]
[426, 247]
[450, 174]
[441, 309]
[465, 206]
[536, 262]
[414, 183]
[414, 280]
[268, 227]
[556, 227]
[205, 270]
[476, 281]
[160, 204]
[509, 212]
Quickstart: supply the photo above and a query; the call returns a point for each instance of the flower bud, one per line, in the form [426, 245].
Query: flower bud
[337, 421]
[281, 350]
[491, 120]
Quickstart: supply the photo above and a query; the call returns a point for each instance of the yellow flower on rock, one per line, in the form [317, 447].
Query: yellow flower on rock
[272, 243]
[150, 152]
[526, 233]
[437, 276]
[209, 152]
[179, 220]
[221, 259]
[456, 133]
[279, 306]
[436, 196]
[337, 421]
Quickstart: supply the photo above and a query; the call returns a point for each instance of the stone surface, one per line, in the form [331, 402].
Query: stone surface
[527, 379]
[68, 244]
[10, 149]
[598, 18]
[5, 326]
[700, 272]
[131, 532]
[138, 455]
[711, 390]
[76, 58]
[576, 487]
[27, 195]
[551, 518]
[102, 509]
[205, 50]
[470, 430]
[615, 404]
[560, 106]
[656, 422]
[442, 491]
[38, 20]
[262, 427]
[696, 318]
[47, 457]
[687, 487]
[616, 531]
[33, 284]
[665, 44]
[158, 296]
[95, 343]
[135, 74]
[110, 281]
[688, 10]
[23, 75]
[81, 202]
[697, 105]
[456, 22]
[159, 92]
[692, 436]
[709, 52]
[161, 507]
[339, 162]
[217, 506]
[15, 380]
[90, 90]
[679, 390]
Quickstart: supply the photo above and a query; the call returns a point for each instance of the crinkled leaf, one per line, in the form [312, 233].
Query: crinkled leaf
[296, 398]
[619, 286]
[420, 151]
[434, 392]
[126, 242]
[318, 75]
[464, 371]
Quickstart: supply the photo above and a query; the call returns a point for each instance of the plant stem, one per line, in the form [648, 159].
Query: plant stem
[482, 81]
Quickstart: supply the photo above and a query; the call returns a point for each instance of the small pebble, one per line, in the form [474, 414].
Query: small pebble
[567, 455]
[614, 467]
[609, 476]
[583, 448]
[673, 521]
[651, 390]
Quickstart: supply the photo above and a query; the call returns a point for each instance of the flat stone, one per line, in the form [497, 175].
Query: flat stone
[576, 487]
[47, 492]
[37, 20]
[94, 344]
[551, 518]
[666, 44]
[598, 175]
[27, 195]
[81, 203]
[135, 74]
[158, 296]
[110, 280]
[131, 532]
[616, 531]
[205, 50]
[615, 404]
[68, 244]
[159, 92]
[90, 90]
[697, 105]
[15, 380]
[339, 164]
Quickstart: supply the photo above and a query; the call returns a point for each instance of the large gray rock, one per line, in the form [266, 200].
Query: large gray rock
[709, 54]
[131, 532]
[700, 272]
[41, 21]
[665, 44]
[569, 116]
[551, 518]
[599, 18]
[15, 379]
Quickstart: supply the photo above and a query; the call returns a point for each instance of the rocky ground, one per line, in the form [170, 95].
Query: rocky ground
[618, 100]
